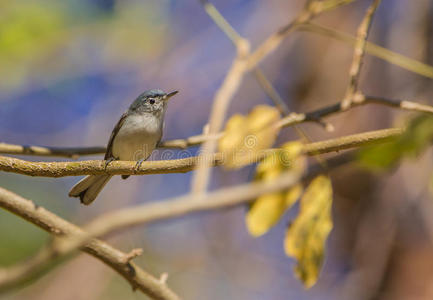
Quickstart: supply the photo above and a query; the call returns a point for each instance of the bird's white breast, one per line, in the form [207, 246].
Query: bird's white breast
[137, 137]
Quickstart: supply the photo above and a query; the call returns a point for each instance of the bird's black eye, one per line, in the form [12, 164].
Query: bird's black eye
[152, 101]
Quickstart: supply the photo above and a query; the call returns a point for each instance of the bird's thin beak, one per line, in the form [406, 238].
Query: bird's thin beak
[169, 95]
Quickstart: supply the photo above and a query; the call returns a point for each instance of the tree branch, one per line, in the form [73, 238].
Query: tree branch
[353, 141]
[358, 100]
[75, 152]
[358, 54]
[115, 259]
[97, 167]
[272, 93]
[220, 106]
[222, 97]
[188, 142]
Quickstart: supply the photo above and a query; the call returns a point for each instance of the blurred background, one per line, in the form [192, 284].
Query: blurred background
[68, 70]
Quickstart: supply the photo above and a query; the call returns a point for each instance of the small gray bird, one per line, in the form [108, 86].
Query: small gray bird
[134, 137]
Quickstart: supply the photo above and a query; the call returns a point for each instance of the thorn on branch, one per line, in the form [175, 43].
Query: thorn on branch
[358, 98]
[35, 206]
[326, 125]
[163, 278]
[131, 255]
[314, 8]
[205, 130]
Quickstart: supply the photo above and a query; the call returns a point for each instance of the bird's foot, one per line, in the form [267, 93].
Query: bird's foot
[108, 161]
[138, 165]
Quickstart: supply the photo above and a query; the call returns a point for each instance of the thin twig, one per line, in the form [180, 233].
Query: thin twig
[272, 93]
[269, 89]
[358, 54]
[115, 259]
[222, 98]
[358, 100]
[394, 58]
[73, 152]
[221, 22]
[220, 106]
[97, 167]
[188, 142]
[311, 9]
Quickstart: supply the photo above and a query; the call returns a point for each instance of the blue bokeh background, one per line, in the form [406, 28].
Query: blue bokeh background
[69, 69]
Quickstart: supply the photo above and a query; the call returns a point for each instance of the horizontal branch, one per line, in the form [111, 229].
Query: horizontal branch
[97, 167]
[188, 142]
[358, 100]
[116, 259]
[75, 152]
[352, 141]
[72, 152]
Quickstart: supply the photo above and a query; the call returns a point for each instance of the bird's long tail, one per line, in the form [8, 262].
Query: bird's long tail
[89, 187]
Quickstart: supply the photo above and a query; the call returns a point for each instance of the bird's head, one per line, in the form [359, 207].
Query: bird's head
[151, 101]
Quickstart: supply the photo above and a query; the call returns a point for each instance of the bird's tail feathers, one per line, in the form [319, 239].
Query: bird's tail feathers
[88, 188]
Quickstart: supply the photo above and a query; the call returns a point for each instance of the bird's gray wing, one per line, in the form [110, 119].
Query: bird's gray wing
[109, 151]
[160, 137]
[159, 142]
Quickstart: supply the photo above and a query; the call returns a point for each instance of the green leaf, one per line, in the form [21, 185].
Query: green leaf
[411, 143]
[306, 237]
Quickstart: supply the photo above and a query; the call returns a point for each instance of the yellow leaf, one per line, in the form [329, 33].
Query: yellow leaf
[265, 213]
[291, 157]
[244, 137]
[306, 237]
[233, 134]
[262, 116]
[293, 149]
[267, 210]
[293, 194]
